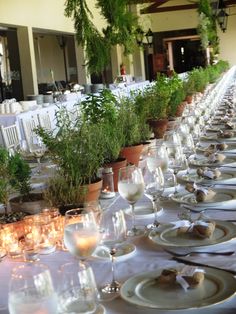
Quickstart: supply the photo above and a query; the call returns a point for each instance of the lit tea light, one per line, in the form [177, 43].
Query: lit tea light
[108, 184]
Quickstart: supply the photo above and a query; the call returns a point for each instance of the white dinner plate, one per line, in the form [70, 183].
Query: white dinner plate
[215, 138]
[143, 290]
[222, 197]
[142, 211]
[202, 161]
[225, 177]
[169, 237]
[123, 251]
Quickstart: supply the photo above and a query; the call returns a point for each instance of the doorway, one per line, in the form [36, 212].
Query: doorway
[187, 54]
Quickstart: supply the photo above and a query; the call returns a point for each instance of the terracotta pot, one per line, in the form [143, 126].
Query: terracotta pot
[180, 109]
[32, 206]
[158, 127]
[88, 193]
[132, 153]
[189, 99]
[116, 165]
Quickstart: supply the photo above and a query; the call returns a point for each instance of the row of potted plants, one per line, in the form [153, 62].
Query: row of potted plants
[101, 130]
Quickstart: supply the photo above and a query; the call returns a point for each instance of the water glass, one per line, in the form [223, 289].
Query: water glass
[31, 290]
[77, 292]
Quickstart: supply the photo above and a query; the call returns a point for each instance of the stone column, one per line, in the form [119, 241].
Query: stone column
[83, 75]
[27, 60]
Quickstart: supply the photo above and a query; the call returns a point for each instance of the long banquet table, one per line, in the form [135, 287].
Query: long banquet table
[148, 256]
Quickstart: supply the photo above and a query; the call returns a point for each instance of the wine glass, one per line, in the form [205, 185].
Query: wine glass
[81, 234]
[31, 290]
[154, 187]
[37, 148]
[113, 233]
[157, 157]
[131, 188]
[77, 291]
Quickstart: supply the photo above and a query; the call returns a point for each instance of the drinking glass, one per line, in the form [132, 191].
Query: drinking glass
[31, 290]
[154, 187]
[77, 291]
[81, 233]
[113, 233]
[37, 148]
[157, 156]
[131, 188]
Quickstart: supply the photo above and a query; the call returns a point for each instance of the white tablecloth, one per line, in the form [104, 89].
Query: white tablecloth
[147, 257]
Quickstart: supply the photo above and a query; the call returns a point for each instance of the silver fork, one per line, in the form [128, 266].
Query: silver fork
[201, 210]
[226, 253]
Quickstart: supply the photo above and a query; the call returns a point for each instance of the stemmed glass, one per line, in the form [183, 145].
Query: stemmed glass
[131, 188]
[38, 149]
[157, 157]
[81, 233]
[113, 234]
[154, 187]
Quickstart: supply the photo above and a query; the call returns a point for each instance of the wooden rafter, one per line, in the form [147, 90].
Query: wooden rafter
[155, 7]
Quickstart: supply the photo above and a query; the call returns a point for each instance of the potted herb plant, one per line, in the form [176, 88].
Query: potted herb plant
[102, 110]
[77, 149]
[176, 105]
[158, 100]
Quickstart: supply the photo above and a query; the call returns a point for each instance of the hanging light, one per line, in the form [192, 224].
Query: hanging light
[149, 37]
[139, 34]
[222, 16]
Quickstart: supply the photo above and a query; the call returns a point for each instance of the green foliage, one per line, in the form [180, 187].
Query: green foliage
[200, 77]
[189, 85]
[20, 175]
[121, 25]
[102, 110]
[207, 26]
[129, 123]
[14, 173]
[177, 94]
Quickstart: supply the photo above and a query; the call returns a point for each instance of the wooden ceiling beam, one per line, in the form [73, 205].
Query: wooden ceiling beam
[155, 7]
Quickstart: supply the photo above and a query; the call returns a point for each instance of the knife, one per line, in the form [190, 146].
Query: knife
[187, 262]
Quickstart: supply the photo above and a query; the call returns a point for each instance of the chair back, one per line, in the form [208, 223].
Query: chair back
[45, 121]
[29, 125]
[10, 136]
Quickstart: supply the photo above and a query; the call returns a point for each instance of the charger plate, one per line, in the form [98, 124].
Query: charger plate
[214, 137]
[224, 232]
[222, 197]
[143, 290]
[202, 161]
[143, 211]
[226, 176]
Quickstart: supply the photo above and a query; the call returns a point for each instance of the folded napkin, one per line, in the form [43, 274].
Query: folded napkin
[186, 276]
[208, 173]
[202, 194]
[198, 228]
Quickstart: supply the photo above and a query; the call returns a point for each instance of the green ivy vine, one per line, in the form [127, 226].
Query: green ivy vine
[207, 26]
[120, 30]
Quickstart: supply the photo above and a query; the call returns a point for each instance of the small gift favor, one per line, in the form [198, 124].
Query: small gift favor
[199, 228]
[215, 157]
[221, 146]
[225, 134]
[229, 126]
[201, 194]
[208, 173]
[186, 276]
[204, 195]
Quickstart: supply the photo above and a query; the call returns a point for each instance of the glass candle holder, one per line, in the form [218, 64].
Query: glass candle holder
[108, 184]
[10, 242]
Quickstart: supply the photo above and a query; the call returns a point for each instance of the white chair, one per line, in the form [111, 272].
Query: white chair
[29, 125]
[45, 121]
[10, 136]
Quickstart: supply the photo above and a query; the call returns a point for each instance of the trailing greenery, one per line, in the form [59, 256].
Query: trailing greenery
[120, 30]
[207, 26]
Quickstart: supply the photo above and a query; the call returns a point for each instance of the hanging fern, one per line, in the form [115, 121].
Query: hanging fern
[120, 30]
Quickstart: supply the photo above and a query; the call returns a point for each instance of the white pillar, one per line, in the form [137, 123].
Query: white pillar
[170, 55]
[27, 60]
[138, 63]
[83, 75]
[116, 60]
